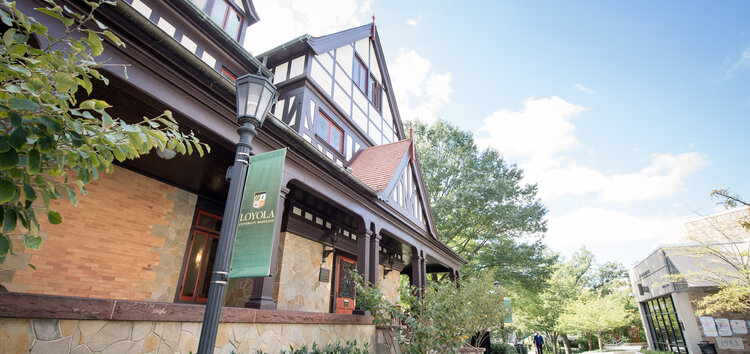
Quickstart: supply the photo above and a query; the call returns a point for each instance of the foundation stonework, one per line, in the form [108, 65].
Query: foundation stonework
[20, 335]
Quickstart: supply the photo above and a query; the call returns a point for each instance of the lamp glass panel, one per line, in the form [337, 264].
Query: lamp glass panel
[242, 97]
[265, 100]
[253, 95]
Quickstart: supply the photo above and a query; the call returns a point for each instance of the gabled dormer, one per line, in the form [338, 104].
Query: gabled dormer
[336, 92]
[392, 170]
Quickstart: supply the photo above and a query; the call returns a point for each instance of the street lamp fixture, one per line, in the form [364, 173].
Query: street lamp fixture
[255, 95]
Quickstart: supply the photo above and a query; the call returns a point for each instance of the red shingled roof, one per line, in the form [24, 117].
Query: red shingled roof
[375, 166]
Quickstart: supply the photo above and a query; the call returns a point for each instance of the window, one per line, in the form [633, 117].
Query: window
[225, 73]
[201, 256]
[359, 75]
[375, 95]
[330, 133]
[224, 15]
[666, 329]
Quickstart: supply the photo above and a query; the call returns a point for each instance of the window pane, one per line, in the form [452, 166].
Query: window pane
[321, 126]
[335, 140]
[208, 268]
[233, 24]
[209, 222]
[193, 265]
[219, 11]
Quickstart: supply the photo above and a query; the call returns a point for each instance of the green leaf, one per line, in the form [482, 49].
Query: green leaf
[64, 82]
[54, 217]
[29, 192]
[22, 104]
[8, 37]
[45, 144]
[31, 266]
[114, 38]
[8, 159]
[9, 220]
[4, 245]
[18, 138]
[19, 69]
[32, 242]
[4, 146]
[52, 124]
[33, 161]
[95, 43]
[7, 191]
[6, 18]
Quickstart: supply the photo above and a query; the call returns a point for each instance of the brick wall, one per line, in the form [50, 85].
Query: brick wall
[699, 294]
[124, 240]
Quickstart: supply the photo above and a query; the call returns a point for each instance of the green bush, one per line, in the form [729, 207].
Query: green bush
[348, 348]
[502, 348]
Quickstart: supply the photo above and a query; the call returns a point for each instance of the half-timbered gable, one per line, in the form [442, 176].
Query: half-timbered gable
[336, 92]
[393, 171]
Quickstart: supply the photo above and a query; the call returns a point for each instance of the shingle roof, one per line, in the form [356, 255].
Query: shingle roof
[375, 166]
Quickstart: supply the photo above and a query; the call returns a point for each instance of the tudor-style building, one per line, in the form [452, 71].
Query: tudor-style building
[126, 270]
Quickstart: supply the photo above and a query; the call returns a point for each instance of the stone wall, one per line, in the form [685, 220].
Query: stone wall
[124, 240]
[299, 288]
[390, 285]
[19, 335]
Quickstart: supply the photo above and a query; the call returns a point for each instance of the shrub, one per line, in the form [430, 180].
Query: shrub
[348, 348]
[502, 348]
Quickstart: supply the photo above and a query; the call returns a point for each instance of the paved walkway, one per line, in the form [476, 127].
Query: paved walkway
[623, 349]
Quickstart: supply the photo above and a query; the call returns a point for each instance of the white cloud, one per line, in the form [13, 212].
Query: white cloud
[540, 135]
[611, 234]
[591, 226]
[536, 134]
[283, 20]
[420, 91]
[663, 177]
[584, 89]
[414, 22]
[737, 64]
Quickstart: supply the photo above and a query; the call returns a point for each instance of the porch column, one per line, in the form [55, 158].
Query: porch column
[423, 269]
[363, 262]
[374, 258]
[262, 295]
[452, 275]
[416, 270]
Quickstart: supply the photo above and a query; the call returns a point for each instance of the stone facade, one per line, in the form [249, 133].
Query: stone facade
[300, 262]
[699, 294]
[390, 285]
[19, 335]
[105, 248]
[238, 292]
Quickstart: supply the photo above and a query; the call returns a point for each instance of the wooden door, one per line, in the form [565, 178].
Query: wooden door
[345, 285]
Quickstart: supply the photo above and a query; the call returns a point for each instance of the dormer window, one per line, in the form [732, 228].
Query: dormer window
[223, 14]
[375, 95]
[360, 74]
[328, 132]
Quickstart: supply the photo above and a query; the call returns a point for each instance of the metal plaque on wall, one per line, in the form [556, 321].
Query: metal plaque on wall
[325, 275]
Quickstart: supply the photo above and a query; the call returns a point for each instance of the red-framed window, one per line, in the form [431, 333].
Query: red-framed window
[375, 95]
[200, 261]
[359, 75]
[329, 132]
[225, 15]
[227, 74]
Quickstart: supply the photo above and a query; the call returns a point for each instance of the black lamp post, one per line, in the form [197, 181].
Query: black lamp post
[255, 94]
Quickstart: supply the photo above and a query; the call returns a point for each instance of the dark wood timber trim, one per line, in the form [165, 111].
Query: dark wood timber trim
[20, 305]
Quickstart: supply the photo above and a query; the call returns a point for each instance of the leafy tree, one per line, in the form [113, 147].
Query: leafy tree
[53, 139]
[722, 253]
[592, 313]
[482, 207]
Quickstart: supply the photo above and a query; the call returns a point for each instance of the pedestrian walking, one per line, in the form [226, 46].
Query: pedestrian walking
[538, 343]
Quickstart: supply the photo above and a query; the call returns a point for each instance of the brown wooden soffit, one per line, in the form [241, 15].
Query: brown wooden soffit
[23, 305]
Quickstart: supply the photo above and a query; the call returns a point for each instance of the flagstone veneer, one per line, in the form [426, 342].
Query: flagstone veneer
[300, 289]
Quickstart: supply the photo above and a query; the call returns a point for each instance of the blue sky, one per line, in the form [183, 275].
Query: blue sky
[626, 114]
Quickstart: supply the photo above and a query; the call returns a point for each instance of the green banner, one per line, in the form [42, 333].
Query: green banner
[253, 243]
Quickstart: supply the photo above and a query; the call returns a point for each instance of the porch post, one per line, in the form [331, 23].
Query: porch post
[416, 270]
[374, 258]
[262, 295]
[363, 262]
[423, 269]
